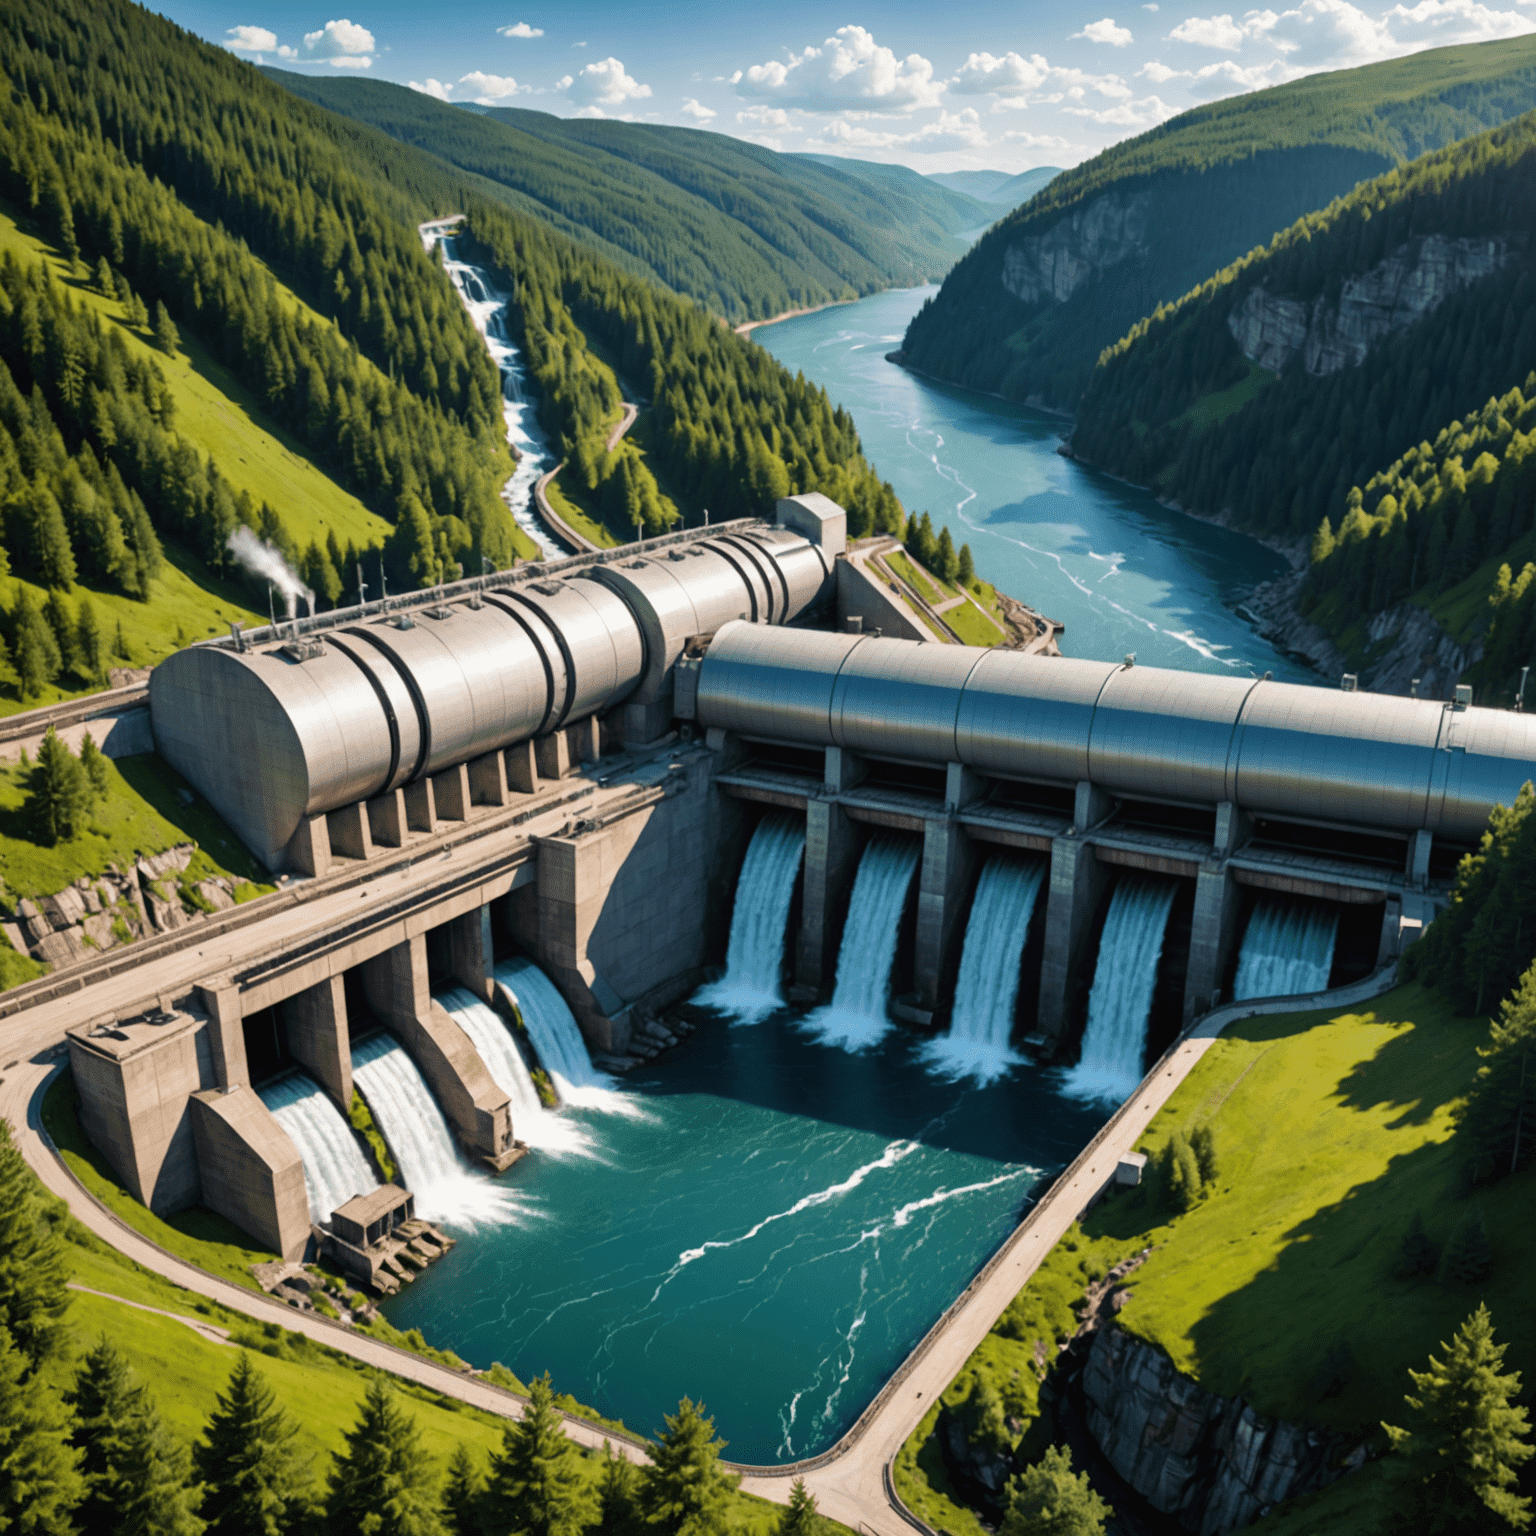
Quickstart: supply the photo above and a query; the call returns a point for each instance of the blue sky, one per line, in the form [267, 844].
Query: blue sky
[947, 86]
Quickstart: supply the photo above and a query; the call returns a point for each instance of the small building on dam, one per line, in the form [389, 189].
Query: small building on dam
[518, 806]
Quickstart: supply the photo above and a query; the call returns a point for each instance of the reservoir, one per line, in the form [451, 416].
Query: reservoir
[1120, 571]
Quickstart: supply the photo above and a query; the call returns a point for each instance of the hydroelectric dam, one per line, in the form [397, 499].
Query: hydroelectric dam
[521, 819]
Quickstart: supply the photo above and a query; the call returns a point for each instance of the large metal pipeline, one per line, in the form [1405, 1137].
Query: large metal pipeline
[274, 733]
[1354, 760]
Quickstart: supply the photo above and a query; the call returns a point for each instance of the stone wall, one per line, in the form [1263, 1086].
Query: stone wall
[1210, 1461]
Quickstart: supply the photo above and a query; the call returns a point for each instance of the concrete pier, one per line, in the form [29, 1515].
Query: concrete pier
[1212, 934]
[1077, 883]
[832, 845]
[948, 863]
[251, 1172]
[319, 1037]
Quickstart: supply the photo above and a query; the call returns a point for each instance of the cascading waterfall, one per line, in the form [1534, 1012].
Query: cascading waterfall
[1124, 980]
[855, 1019]
[987, 989]
[750, 989]
[531, 1122]
[1287, 950]
[413, 1125]
[334, 1167]
[488, 309]
[557, 1040]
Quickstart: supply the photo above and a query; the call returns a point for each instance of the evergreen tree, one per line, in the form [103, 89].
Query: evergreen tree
[1468, 1256]
[62, 622]
[135, 1472]
[52, 558]
[1496, 1123]
[1465, 1441]
[684, 1492]
[946, 561]
[1050, 1499]
[463, 1492]
[1182, 1172]
[59, 799]
[33, 1266]
[618, 1496]
[88, 643]
[535, 1485]
[37, 653]
[382, 1483]
[39, 1481]
[167, 337]
[1203, 1144]
[256, 1481]
[967, 568]
[987, 1422]
[120, 644]
[93, 763]
[1418, 1255]
[800, 1517]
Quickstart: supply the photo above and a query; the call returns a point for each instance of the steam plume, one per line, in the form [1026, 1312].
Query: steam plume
[259, 557]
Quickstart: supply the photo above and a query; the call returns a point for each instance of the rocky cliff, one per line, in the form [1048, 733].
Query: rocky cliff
[1101, 234]
[1334, 333]
[1211, 1462]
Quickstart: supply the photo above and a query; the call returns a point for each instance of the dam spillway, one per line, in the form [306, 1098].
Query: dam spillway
[334, 1167]
[1287, 950]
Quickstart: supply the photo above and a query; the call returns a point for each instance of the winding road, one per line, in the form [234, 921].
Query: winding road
[561, 528]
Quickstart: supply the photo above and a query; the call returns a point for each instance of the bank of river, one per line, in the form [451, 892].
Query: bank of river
[1122, 572]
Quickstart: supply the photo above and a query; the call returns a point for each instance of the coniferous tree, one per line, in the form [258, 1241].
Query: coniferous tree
[120, 643]
[1182, 1172]
[1468, 1255]
[463, 1494]
[1050, 1499]
[1496, 1123]
[1465, 1440]
[52, 558]
[618, 1496]
[1418, 1254]
[39, 1480]
[62, 622]
[1202, 1143]
[382, 1482]
[93, 764]
[535, 1484]
[88, 644]
[33, 1268]
[37, 652]
[256, 1480]
[967, 568]
[59, 799]
[167, 338]
[684, 1492]
[946, 561]
[800, 1517]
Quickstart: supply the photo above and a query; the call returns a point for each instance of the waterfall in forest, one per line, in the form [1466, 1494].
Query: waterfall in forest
[489, 310]
[334, 1166]
[751, 988]
[978, 1044]
[1124, 979]
[1287, 949]
[490, 1036]
[856, 1019]
[445, 1187]
[557, 1040]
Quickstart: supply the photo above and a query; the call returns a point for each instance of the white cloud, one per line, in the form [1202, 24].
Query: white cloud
[431, 87]
[344, 44]
[1223, 78]
[1018, 82]
[1153, 8]
[697, 110]
[250, 40]
[1212, 32]
[1106, 31]
[1028, 140]
[764, 117]
[849, 72]
[605, 83]
[1145, 113]
[489, 89]
[952, 131]
[521, 29]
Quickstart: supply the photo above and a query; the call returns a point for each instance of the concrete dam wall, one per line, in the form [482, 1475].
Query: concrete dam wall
[569, 766]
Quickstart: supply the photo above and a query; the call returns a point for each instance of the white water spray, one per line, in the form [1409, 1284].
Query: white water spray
[1124, 979]
[987, 989]
[261, 559]
[1287, 950]
[751, 988]
[488, 1033]
[413, 1125]
[334, 1167]
[856, 1019]
[488, 309]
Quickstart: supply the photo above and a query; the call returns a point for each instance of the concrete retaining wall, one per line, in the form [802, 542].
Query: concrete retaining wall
[251, 1172]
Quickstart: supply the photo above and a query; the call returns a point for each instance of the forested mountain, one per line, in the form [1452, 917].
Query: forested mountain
[190, 197]
[998, 186]
[747, 232]
[1028, 311]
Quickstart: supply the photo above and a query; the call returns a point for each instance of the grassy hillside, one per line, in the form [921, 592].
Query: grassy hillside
[747, 232]
[1331, 1132]
[1178, 406]
[1196, 193]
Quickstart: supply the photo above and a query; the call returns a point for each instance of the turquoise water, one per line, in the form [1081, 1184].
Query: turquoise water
[770, 1227]
[1122, 573]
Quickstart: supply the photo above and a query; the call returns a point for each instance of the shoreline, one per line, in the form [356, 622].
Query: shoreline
[748, 326]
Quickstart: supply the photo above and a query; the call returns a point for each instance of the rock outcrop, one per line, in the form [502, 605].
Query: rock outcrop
[1211, 1462]
[1337, 333]
[1103, 233]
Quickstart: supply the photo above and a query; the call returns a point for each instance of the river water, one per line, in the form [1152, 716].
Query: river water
[1121, 572]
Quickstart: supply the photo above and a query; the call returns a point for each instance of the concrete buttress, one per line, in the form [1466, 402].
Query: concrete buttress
[319, 1038]
[251, 1172]
[471, 953]
[1077, 883]
[1211, 935]
[831, 852]
[946, 870]
[398, 991]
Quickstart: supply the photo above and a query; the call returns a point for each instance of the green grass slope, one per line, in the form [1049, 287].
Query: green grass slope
[745, 231]
[1217, 180]
[1331, 1131]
